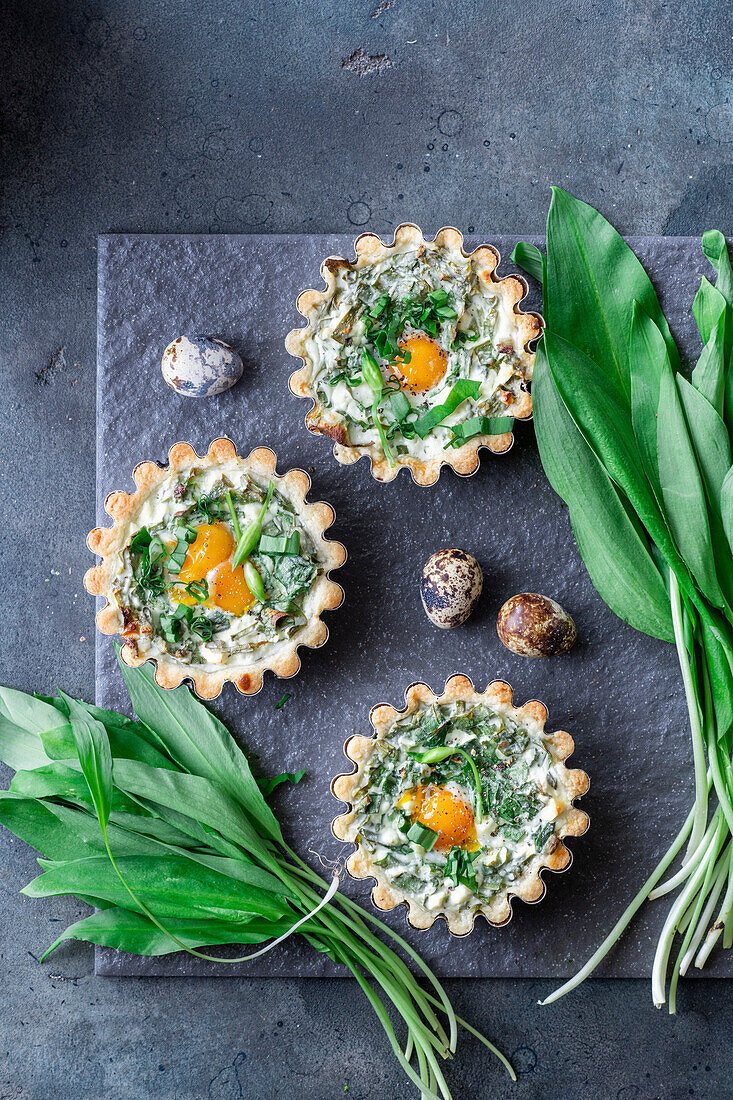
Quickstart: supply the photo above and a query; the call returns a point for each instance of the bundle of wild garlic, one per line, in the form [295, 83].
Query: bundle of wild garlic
[161, 825]
[642, 457]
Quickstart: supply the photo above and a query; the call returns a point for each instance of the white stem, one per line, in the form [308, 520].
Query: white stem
[698, 745]
[691, 859]
[268, 947]
[705, 917]
[626, 917]
[723, 917]
[664, 946]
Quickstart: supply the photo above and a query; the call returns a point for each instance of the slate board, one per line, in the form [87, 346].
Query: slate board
[618, 692]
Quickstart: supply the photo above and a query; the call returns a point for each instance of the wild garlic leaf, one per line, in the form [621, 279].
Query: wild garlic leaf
[592, 276]
[133, 932]
[92, 745]
[530, 259]
[682, 491]
[606, 425]
[23, 720]
[709, 375]
[193, 795]
[711, 445]
[198, 742]
[40, 825]
[647, 357]
[172, 886]
[707, 308]
[614, 547]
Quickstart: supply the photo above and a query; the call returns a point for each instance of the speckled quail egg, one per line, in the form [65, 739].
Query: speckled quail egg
[535, 626]
[450, 586]
[200, 366]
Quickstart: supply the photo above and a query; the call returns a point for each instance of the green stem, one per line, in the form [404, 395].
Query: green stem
[693, 709]
[233, 514]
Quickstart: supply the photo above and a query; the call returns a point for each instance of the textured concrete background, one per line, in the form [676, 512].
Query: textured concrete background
[219, 116]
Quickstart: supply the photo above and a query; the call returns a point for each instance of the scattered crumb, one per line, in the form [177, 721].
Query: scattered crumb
[365, 64]
[58, 360]
[82, 639]
[382, 7]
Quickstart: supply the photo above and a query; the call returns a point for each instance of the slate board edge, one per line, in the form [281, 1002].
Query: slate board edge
[163, 966]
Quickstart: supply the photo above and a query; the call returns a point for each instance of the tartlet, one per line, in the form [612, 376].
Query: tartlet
[415, 354]
[173, 591]
[421, 831]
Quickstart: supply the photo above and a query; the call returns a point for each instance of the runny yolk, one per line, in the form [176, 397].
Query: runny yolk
[448, 814]
[209, 558]
[213, 545]
[427, 365]
[228, 589]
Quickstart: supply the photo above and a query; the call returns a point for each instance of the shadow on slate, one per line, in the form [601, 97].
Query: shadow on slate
[618, 692]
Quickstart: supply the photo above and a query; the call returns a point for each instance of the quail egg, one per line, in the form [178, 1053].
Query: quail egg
[450, 586]
[535, 626]
[200, 366]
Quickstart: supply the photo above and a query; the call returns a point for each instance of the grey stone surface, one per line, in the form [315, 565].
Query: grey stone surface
[218, 117]
[617, 692]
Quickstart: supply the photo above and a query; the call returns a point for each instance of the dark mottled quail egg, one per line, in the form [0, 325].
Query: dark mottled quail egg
[450, 586]
[535, 626]
[200, 366]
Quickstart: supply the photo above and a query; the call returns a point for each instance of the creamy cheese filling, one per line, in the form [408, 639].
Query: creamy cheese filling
[175, 582]
[424, 822]
[443, 326]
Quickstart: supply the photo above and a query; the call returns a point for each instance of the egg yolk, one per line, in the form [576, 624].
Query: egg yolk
[209, 558]
[228, 589]
[427, 365]
[213, 545]
[448, 814]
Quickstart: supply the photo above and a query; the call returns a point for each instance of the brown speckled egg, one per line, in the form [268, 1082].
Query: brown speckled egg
[450, 586]
[535, 626]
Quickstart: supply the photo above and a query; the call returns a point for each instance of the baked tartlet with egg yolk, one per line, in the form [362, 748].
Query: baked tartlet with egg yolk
[174, 588]
[415, 354]
[457, 804]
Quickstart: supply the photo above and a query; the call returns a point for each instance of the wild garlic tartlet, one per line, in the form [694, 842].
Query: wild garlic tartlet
[457, 804]
[415, 354]
[216, 568]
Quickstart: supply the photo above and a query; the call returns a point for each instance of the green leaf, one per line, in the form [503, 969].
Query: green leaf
[127, 738]
[63, 832]
[610, 539]
[592, 277]
[267, 786]
[421, 834]
[172, 886]
[38, 824]
[461, 391]
[682, 490]
[605, 423]
[198, 742]
[480, 425]
[133, 932]
[711, 444]
[530, 259]
[726, 507]
[23, 720]
[647, 357]
[193, 795]
[715, 248]
[92, 746]
[58, 780]
[708, 308]
[709, 375]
